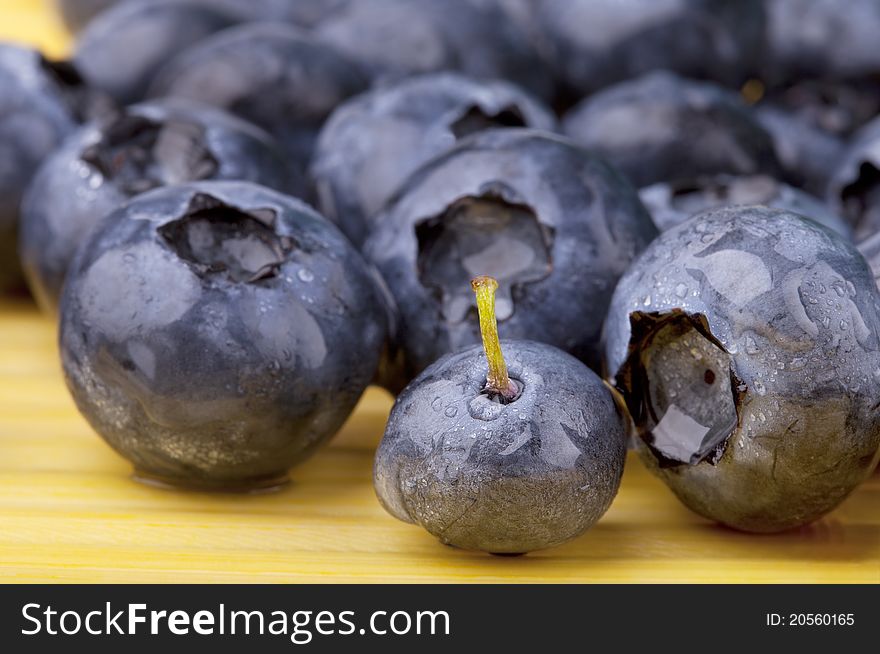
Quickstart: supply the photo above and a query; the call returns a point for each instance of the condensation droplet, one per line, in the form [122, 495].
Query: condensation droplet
[305, 275]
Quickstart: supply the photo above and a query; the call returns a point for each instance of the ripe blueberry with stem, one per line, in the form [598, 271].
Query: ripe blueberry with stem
[506, 448]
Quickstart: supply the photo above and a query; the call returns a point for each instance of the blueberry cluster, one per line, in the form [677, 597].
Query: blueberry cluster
[244, 213]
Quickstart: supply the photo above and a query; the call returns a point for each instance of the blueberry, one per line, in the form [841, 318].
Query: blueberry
[509, 462]
[854, 189]
[40, 104]
[745, 343]
[217, 333]
[836, 107]
[373, 142]
[124, 47]
[661, 127]
[807, 153]
[108, 162]
[672, 204]
[398, 38]
[553, 223]
[275, 76]
[821, 38]
[600, 42]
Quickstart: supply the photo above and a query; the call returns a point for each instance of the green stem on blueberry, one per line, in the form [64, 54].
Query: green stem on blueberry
[497, 381]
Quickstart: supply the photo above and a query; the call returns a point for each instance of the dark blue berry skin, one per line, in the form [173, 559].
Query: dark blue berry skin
[870, 249]
[816, 38]
[554, 224]
[672, 204]
[125, 46]
[596, 43]
[374, 141]
[503, 478]
[399, 38]
[819, 129]
[807, 153]
[745, 343]
[302, 13]
[854, 188]
[79, 13]
[306, 13]
[110, 161]
[217, 333]
[272, 75]
[39, 106]
[835, 107]
[661, 128]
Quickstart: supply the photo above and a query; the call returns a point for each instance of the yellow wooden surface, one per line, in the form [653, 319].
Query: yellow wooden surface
[69, 512]
[33, 22]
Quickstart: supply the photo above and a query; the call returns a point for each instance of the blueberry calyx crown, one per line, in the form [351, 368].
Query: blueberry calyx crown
[475, 119]
[681, 387]
[489, 233]
[141, 154]
[216, 238]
